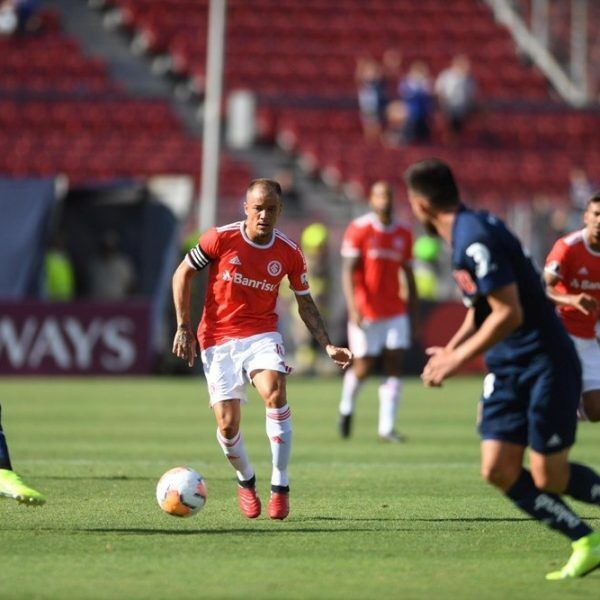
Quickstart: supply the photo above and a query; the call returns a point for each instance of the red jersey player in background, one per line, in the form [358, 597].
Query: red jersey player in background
[572, 274]
[375, 249]
[238, 334]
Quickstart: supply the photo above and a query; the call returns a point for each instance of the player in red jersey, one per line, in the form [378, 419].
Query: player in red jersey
[375, 249]
[238, 333]
[572, 274]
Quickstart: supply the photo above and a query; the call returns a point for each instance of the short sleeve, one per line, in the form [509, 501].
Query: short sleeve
[556, 261]
[489, 266]
[351, 243]
[298, 273]
[205, 251]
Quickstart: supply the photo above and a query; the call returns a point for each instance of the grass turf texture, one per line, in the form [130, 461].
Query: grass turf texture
[368, 519]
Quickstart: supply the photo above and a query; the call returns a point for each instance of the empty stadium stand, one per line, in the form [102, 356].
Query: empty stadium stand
[60, 112]
[299, 58]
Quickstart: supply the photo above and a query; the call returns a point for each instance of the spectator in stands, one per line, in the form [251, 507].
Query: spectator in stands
[409, 117]
[112, 276]
[371, 97]
[391, 63]
[455, 89]
[8, 17]
[18, 16]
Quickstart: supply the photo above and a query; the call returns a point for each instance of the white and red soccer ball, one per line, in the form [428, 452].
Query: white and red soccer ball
[181, 492]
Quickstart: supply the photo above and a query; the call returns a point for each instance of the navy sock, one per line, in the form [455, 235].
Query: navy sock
[547, 508]
[584, 484]
[4, 456]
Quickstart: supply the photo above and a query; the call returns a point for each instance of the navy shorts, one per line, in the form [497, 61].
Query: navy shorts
[534, 406]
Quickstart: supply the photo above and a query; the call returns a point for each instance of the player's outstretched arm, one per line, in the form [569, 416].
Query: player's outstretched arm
[314, 322]
[582, 302]
[184, 343]
[505, 316]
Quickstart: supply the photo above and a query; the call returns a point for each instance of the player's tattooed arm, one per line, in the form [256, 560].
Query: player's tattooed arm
[314, 322]
[184, 342]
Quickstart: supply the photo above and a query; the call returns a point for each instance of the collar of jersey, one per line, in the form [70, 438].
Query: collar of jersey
[377, 224]
[587, 244]
[251, 243]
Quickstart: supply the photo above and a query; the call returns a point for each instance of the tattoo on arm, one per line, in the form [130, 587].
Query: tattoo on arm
[312, 319]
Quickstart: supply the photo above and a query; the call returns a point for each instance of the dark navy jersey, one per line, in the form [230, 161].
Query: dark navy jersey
[487, 256]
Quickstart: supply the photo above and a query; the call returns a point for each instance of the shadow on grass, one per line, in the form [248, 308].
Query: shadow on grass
[187, 532]
[109, 478]
[432, 520]
[435, 520]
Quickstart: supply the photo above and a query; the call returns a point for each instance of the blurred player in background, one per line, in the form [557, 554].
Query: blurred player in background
[375, 250]
[573, 276]
[531, 393]
[238, 333]
[11, 485]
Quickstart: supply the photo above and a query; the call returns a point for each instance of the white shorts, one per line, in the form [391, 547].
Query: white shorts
[372, 337]
[228, 366]
[589, 355]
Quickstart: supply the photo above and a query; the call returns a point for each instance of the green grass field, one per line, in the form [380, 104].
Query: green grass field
[368, 520]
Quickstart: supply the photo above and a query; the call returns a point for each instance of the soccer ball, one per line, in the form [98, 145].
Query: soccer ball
[181, 492]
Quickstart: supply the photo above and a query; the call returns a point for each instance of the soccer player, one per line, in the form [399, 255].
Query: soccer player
[531, 393]
[11, 485]
[238, 333]
[375, 249]
[572, 274]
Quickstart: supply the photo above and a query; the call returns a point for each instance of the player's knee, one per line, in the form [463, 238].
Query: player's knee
[544, 481]
[274, 396]
[362, 369]
[551, 479]
[498, 475]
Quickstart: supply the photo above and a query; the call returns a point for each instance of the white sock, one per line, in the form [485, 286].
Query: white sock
[390, 392]
[279, 430]
[235, 452]
[350, 389]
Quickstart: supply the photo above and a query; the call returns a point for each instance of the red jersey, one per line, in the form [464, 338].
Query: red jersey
[243, 282]
[578, 267]
[382, 250]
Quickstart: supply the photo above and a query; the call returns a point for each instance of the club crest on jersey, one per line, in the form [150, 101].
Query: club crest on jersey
[465, 281]
[274, 268]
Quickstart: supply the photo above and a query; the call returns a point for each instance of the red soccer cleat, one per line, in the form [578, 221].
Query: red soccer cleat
[279, 505]
[249, 502]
